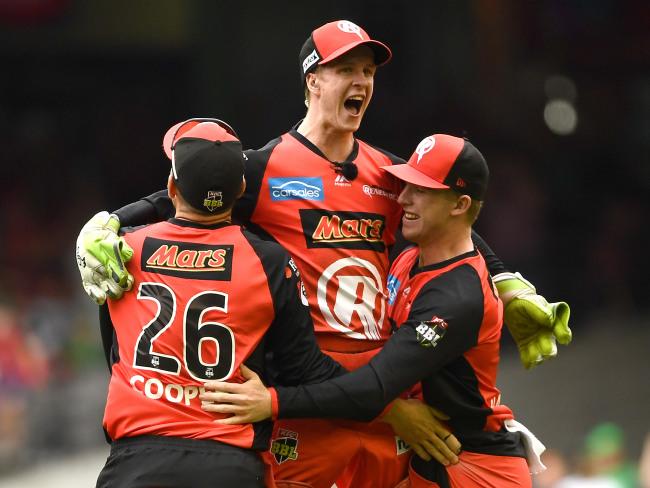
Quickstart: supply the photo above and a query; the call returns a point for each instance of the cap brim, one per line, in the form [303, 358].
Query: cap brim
[168, 139]
[408, 173]
[381, 50]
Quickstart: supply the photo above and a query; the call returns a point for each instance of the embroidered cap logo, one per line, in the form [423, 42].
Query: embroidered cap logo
[424, 147]
[350, 28]
[213, 201]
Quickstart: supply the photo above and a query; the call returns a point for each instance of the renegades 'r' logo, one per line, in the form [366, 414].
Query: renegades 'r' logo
[285, 447]
[351, 297]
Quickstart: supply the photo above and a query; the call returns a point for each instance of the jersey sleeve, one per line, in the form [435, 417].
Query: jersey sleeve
[494, 264]
[255, 162]
[148, 210]
[290, 339]
[444, 322]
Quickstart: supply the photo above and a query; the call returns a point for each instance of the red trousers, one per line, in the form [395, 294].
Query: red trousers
[319, 452]
[478, 471]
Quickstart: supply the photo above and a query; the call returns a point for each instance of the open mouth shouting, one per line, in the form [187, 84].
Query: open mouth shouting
[354, 104]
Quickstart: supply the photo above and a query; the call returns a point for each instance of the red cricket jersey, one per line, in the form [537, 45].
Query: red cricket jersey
[205, 299]
[338, 232]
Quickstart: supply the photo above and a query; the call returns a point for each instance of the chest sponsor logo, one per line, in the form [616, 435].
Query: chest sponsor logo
[285, 446]
[373, 191]
[187, 259]
[429, 332]
[294, 188]
[349, 230]
[351, 298]
[393, 285]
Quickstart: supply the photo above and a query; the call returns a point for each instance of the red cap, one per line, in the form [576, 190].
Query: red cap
[442, 161]
[207, 163]
[334, 39]
[217, 130]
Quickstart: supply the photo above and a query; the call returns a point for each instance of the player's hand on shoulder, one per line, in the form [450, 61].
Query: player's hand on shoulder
[101, 256]
[535, 325]
[422, 428]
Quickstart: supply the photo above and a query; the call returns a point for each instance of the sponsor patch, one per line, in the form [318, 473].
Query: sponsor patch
[187, 259]
[429, 332]
[310, 60]
[402, 446]
[349, 230]
[307, 188]
[373, 191]
[393, 285]
[285, 446]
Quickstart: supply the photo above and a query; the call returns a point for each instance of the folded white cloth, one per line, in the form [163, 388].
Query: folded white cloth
[534, 448]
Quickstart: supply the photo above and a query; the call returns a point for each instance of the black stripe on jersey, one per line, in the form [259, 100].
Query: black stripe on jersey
[290, 338]
[255, 162]
[289, 350]
[494, 264]
[148, 210]
[108, 336]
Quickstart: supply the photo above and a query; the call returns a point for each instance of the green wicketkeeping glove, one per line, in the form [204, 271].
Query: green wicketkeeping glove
[101, 254]
[534, 324]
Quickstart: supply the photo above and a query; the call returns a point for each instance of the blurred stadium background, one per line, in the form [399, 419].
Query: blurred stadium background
[555, 93]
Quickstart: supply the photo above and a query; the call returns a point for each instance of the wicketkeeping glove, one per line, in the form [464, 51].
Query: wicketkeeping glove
[534, 324]
[101, 255]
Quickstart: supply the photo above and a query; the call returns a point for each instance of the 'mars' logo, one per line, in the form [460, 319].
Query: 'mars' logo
[350, 230]
[187, 259]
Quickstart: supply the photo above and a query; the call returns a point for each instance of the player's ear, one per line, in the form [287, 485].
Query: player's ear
[463, 203]
[171, 186]
[243, 187]
[312, 82]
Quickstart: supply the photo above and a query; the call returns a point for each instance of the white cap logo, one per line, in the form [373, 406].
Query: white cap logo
[424, 147]
[350, 28]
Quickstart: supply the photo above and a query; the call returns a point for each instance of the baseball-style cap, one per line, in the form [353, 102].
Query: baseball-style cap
[334, 39]
[442, 161]
[207, 163]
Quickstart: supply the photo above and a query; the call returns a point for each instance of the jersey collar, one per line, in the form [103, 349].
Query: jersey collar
[197, 225]
[313, 148]
[442, 264]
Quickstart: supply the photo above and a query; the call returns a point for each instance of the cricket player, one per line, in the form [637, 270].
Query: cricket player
[210, 297]
[321, 193]
[450, 318]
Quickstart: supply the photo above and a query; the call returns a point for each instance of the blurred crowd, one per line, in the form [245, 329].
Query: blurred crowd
[81, 125]
[603, 462]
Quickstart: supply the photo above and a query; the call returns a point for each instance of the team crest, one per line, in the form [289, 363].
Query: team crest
[285, 446]
[429, 332]
[213, 201]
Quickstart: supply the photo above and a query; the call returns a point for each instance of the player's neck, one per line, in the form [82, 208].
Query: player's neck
[335, 144]
[224, 217]
[445, 245]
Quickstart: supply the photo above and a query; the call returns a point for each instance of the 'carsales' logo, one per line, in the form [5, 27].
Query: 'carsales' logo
[351, 298]
[296, 188]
